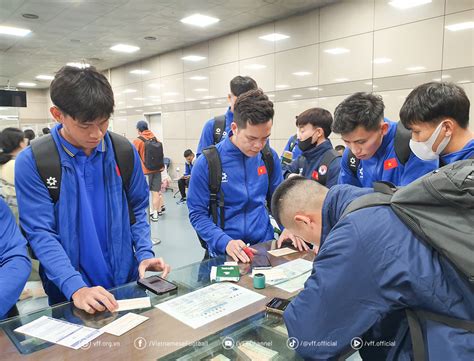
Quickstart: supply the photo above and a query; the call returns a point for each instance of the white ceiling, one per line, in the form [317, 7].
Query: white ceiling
[73, 30]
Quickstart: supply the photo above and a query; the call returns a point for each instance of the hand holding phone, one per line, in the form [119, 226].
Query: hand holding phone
[157, 285]
[277, 305]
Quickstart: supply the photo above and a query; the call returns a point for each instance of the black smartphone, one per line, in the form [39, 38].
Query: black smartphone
[277, 305]
[157, 285]
[261, 261]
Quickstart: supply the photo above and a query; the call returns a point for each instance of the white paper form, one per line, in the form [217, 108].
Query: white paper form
[133, 303]
[296, 272]
[124, 324]
[210, 303]
[59, 332]
[282, 251]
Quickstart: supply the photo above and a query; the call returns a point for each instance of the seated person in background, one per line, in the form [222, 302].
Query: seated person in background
[12, 142]
[217, 128]
[153, 176]
[340, 149]
[246, 182]
[29, 135]
[15, 265]
[291, 150]
[318, 161]
[370, 138]
[183, 182]
[438, 116]
[369, 269]
[85, 239]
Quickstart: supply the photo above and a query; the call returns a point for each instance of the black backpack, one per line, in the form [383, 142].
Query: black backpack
[153, 155]
[216, 199]
[321, 175]
[48, 163]
[439, 209]
[401, 145]
[219, 128]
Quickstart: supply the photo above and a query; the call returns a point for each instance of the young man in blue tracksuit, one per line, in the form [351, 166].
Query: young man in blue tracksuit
[369, 269]
[15, 266]
[183, 182]
[371, 139]
[238, 85]
[291, 150]
[314, 128]
[84, 241]
[245, 182]
[438, 116]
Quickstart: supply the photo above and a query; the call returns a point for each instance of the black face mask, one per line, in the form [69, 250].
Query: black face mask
[307, 143]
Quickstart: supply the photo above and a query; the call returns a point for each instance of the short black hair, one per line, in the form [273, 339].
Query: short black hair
[29, 134]
[359, 109]
[339, 147]
[431, 102]
[45, 130]
[253, 107]
[317, 117]
[242, 84]
[279, 194]
[83, 94]
[10, 139]
[187, 153]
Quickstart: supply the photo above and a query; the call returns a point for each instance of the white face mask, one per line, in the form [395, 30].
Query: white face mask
[424, 150]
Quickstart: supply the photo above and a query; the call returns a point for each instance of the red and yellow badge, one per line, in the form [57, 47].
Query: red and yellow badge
[390, 163]
[262, 170]
[315, 175]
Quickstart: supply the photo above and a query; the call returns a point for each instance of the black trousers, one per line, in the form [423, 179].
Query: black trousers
[182, 184]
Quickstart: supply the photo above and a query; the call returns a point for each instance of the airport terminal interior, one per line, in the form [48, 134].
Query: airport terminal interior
[170, 64]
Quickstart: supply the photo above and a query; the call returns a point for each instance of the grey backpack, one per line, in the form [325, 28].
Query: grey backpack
[439, 209]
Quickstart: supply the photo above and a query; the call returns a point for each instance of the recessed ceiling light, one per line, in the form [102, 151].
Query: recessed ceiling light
[255, 66]
[139, 71]
[200, 90]
[199, 20]
[415, 68]
[204, 103]
[436, 79]
[302, 73]
[45, 77]
[193, 58]
[124, 48]
[137, 98]
[445, 76]
[154, 85]
[406, 4]
[138, 110]
[337, 51]
[169, 94]
[382, 60]
[79, 65]
[126, 91]
[190, 99]
[368, 83]
[30, 16]
[25, 83]
[208, 96]
[8, 30]
[274, 37]
[314, 88]
[297, 95]
[463, 81]
[461, 26]
[282, 86]
[198, 77]
[339, 80]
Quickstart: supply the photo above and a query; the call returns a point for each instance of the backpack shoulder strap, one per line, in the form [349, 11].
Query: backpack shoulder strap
[47, 160]
[368, 200]
[293, 142]
[267, 157]
[328, 157]
[124, 156]
[402, 143]
[143, 139]
[219, 128]
[352, 163]
[216, 201]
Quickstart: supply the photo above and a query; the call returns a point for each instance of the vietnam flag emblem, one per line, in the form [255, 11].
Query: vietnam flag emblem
[262, 170]
[390, 163]
[315, 175]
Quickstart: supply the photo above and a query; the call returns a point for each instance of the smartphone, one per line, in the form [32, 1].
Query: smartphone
[277, 305]
[157, 285]
[261, 261]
